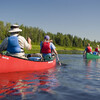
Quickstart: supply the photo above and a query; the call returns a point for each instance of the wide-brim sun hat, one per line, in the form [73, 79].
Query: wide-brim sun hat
[15, 28]
[47, 37]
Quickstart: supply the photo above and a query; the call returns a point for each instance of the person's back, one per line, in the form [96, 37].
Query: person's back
[96, 52]
[89, 49]
[97, 48]
[47, 47]
[15, 43]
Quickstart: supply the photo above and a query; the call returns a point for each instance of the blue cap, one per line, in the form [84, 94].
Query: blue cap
[47, 37]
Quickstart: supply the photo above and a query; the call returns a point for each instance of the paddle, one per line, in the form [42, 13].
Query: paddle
[61, 64]
[58, 60]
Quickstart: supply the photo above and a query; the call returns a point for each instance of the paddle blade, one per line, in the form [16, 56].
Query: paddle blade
[59, 63]
[62, 64]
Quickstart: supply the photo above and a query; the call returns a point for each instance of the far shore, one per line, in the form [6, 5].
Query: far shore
[60, 50]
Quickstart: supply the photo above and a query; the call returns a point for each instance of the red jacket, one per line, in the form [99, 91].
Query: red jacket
[89, 49]
[46, 48]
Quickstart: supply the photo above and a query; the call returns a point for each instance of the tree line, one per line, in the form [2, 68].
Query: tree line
[37, 35]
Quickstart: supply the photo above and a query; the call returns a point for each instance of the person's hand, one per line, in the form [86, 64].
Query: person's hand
[59, 63]
[51, 40]
[29, 40]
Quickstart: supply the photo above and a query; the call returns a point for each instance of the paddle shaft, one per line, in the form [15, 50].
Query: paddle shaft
[58, 60]
[60, 63]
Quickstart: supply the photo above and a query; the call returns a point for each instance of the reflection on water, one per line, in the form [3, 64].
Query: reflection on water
[92, 75]
[78, 80]
[25, 84]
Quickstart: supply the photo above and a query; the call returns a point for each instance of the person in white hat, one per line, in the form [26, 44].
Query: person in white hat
[15, 43]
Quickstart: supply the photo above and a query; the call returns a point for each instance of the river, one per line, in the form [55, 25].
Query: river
[76, 79]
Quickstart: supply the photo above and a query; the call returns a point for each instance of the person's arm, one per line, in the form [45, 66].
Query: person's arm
[84, 52]
[29, 41]
[25, 43]
[54, 50]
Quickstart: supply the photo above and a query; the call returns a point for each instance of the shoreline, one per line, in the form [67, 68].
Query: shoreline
[60, 50]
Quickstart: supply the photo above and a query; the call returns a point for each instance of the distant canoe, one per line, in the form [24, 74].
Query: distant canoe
[15, 64]
[91, 56]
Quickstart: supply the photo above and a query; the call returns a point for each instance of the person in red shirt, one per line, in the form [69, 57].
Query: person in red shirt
[96, 52]
[88, 49]
[47, 47]
[97, 48]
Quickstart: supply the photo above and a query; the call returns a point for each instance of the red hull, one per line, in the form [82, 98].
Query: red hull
[13, 64]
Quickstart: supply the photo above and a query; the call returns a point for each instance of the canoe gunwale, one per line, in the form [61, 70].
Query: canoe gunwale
[25, 58]
[91, 56]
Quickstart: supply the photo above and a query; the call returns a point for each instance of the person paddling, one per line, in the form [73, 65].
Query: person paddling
[47, 48]
[88, 49]
[14, 44]
[97, 50]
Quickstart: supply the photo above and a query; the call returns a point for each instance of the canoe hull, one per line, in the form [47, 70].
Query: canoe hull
[14, 64]
[91, 56]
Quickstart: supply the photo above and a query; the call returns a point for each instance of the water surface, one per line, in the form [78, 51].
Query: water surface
[78, 80]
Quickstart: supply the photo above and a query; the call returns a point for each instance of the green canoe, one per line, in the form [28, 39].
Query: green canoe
[91, 56]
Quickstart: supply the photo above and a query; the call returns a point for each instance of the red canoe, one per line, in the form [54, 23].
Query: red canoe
[15, 64]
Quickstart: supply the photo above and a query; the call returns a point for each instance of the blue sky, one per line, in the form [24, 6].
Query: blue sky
[75, 17]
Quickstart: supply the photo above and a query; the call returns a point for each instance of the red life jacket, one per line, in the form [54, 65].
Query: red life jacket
[46, 48]
[96, 50]
[89, 49]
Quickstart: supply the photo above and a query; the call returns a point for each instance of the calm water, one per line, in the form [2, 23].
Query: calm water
[78, 80]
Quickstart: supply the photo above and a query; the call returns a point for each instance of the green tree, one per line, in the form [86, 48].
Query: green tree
[70, 39]
[2, 32]
[66, 41]
[75, 41]
[80, 42]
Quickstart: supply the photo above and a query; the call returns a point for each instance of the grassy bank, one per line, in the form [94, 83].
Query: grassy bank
[60, 49]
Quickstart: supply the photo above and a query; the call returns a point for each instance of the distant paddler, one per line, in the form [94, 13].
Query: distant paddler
[88, 49]
[97, 50]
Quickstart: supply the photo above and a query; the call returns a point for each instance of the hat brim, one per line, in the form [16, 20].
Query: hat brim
[15, 30]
